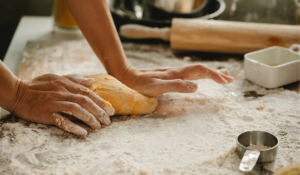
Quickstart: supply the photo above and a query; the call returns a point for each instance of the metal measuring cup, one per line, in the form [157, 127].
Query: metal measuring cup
[252, 156]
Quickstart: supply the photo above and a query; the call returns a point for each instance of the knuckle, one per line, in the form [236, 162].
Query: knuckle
[93, 95]
[171, 71]
[70, 75]
[78, 97]
[87, 81]
[175, 73]
[74, 106]
[216, 72]
[84, 100]
[177, 82]
[60, 81]
[101, 113]
[200, 66]
[56, 94]
[170, 74]
[90, 93]
[83, 90]
[91, 118]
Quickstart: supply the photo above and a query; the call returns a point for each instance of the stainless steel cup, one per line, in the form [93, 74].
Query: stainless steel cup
[257, 138]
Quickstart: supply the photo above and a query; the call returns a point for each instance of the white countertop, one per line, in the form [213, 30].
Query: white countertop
[188, 133]
[29, 28]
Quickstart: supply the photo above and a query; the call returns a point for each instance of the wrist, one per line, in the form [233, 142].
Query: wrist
[8, 90]
[20, 90]
[122, 72]
[128, 76]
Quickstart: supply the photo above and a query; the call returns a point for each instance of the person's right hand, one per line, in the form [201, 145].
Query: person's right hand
[46, 99]
[155, 82]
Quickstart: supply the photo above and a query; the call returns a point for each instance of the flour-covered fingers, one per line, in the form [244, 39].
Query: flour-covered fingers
[91, 107]
[229, 79]
[194, 72]
[78, 89]
[224, 74]
[191, 72]
[163, 86]
[223, 71]
[67, 125]
[199, 71]
[80, 80]
[217, 77]
[77, 111]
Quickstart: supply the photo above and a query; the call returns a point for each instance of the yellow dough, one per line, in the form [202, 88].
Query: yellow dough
[289, 170]
[124, 100]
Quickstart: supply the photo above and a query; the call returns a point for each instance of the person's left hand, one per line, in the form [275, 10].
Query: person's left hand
[155, 82]
[56, 100]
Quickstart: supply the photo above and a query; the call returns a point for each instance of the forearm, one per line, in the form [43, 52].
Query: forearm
[95, 21]
[8, 87]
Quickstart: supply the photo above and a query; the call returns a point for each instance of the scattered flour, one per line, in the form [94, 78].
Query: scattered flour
[188, 134]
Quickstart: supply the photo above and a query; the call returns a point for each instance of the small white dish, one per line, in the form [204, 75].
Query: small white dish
[274, 66]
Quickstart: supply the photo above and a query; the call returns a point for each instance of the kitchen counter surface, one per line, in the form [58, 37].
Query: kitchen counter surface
[188, 133]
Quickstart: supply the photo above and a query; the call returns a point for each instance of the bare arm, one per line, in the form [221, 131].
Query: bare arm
[95, 21]
[9, 84]
[52, 99]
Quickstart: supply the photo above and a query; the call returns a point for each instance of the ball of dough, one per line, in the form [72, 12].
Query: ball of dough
[289, 170]
[124, 100]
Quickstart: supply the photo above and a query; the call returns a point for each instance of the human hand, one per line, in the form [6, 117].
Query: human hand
[47, 98]
[155, 82]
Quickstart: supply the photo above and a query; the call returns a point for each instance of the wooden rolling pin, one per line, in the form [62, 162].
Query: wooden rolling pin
[217, 36]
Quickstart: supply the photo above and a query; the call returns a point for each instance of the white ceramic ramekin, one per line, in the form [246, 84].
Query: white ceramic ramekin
[274, 66]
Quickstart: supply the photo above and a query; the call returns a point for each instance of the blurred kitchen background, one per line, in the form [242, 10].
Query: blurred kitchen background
[261, 11]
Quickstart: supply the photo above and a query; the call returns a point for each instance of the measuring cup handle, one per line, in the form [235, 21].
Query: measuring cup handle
[295, 48]
[249, 160]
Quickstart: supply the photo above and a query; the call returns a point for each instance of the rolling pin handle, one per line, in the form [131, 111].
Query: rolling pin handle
[135, 31]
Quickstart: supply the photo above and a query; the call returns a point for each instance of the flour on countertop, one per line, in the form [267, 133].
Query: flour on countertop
[188, 133]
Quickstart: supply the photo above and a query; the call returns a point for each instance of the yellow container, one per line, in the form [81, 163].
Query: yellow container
[62, 16]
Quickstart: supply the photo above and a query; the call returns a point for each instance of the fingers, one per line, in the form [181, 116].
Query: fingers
[58, 82]
[78, 89]
[229, 79]
[67, 125]
[223, 71]
[199, 71]
[91, 107]
[224, 74]
[80, 80]
[164, 86]
[78, 112]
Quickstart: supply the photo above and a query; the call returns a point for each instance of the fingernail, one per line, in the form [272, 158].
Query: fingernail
[91, 79]
[192, 87]
[107, 120]
[96, 125]
[108, 108]
[81, 132]
[88, 81]
[110, 111]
